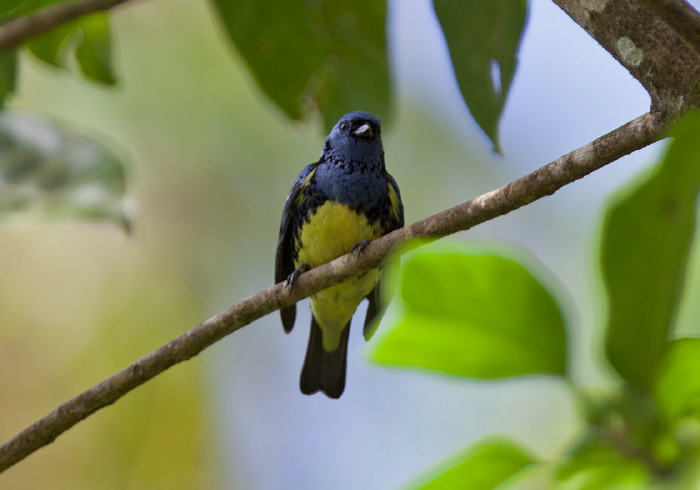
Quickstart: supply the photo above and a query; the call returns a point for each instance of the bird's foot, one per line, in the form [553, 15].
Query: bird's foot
[292, 278]
[359, 247]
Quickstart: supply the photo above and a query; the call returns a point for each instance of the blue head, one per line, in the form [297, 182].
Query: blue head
[356, 138]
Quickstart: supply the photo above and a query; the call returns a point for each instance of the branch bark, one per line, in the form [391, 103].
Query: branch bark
[680, 16]
[543, 182]
[23, 28]
[650, 49]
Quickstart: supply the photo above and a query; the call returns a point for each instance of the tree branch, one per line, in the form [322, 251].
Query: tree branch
[651, 50]
[21, 29]
[543, 182]
[680, 16]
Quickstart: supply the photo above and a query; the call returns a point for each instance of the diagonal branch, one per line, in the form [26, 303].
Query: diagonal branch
[545, 181]
[653, 51]
[680, 16]
[21, 29]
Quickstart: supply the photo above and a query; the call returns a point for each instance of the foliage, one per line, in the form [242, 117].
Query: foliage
[464, 311]
[469, 312]
[646, 431]
[47, 172]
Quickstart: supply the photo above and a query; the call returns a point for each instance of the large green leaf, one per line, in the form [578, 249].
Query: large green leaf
[49, 173]
[484, 466]
[472, 313]
[647, 236]
[483, 38]
[331, 55]
[677, 386]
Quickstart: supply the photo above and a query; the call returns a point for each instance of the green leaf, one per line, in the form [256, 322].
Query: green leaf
[52, 47]
[8, 74]
[94, 53]
[47, 173]
[8, 7]
[357, 69]
[596, 465]
[677, 386]
[483, 38]
[84, 44]
[647, 236]
[323, 54]
[470, 312]
[484, 466]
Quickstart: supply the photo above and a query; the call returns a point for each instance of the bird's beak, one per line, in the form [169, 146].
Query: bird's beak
[364, 131]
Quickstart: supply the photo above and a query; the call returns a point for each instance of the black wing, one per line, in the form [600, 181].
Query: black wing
[393, 221]
[284, 260]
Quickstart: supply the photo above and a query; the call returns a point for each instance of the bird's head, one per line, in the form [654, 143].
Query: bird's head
[356, 136]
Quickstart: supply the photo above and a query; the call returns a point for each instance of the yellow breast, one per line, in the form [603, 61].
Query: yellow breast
[332, 231]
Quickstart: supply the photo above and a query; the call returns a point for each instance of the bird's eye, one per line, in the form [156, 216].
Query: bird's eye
[344, 126]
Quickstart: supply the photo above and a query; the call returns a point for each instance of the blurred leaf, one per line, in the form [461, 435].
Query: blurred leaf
[596, 465]
[94, 53]
[646, 240]
[8, 59]
[472, 313]
[52, 47]
[12, 6]
[483, 38]
[677, 388]
[331, 55]
[8, 74]
[484, 466]
[47, 172]
[84, 44]
[357, 69]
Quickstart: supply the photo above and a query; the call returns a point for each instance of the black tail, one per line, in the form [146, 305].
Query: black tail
[324, 371]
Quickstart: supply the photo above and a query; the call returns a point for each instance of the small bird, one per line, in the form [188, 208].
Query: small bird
[337, 205]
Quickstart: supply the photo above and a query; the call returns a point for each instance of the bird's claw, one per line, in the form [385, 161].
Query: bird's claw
[359, 247]
[292, 278]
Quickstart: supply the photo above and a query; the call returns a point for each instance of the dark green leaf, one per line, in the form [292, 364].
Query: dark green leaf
[12, 7]
[84, 44]
[472, 313]
[94, 53]
[484, 466]
[356, 70]
[646, 240]
[483, 38]
[324, 54]
[8, 74]
[49, 173]
[677, 387]
[53, 47]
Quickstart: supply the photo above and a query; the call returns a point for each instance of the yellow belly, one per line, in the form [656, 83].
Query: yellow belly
[331, 232]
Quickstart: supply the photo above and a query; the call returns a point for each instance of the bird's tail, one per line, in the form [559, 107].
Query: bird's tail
[324, 371]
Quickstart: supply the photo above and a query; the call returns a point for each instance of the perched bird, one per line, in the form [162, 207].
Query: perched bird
[337, 205]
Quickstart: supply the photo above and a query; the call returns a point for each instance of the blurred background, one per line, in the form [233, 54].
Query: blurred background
[210, 164]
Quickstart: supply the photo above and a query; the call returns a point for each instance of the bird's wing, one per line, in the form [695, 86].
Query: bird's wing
[396, 211]
[284, 260]
[395, 221]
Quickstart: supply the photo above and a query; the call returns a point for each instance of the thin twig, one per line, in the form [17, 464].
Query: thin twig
[545, 181]
[23, 28]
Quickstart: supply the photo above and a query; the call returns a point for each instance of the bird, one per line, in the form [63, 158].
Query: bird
[337, 205]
